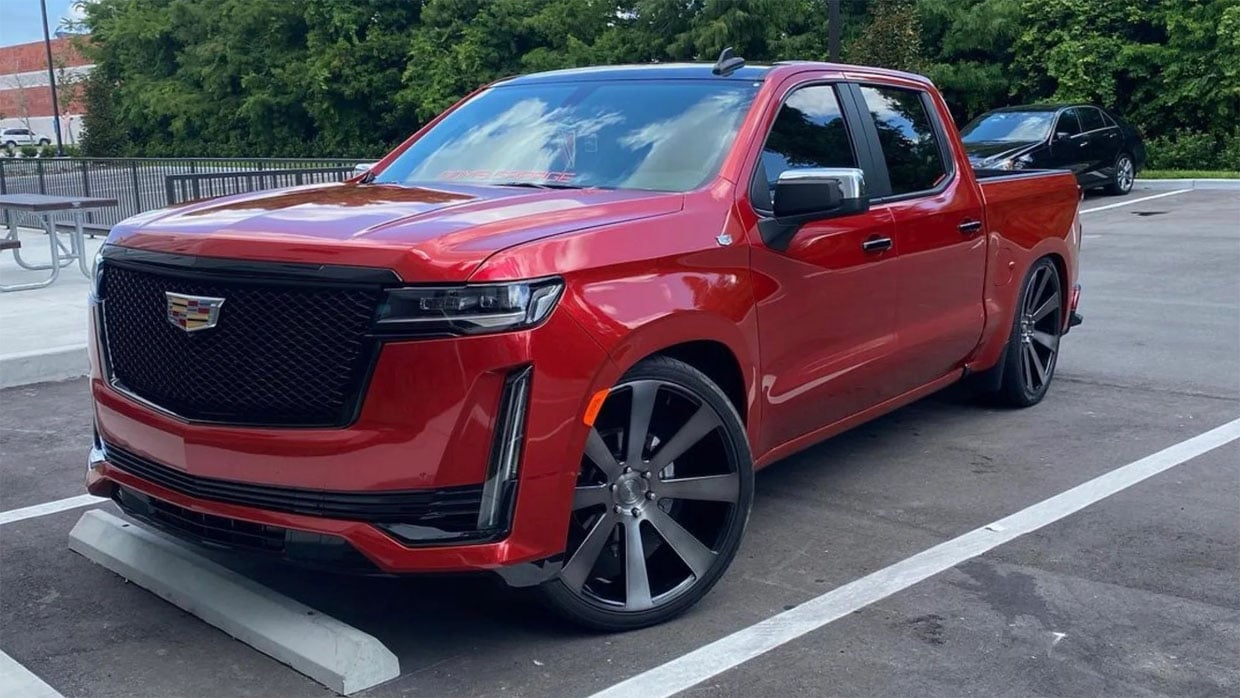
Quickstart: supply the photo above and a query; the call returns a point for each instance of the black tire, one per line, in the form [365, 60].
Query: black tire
[693, 476]
[1123, 176]
[43, 142]
[1033, 346]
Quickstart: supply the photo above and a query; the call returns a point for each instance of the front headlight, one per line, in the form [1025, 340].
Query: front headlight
[468, 310]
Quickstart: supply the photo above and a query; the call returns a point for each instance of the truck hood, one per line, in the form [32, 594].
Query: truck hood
[423, 234]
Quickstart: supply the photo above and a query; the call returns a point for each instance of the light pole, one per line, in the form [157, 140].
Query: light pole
[51, 77]
[833, 30]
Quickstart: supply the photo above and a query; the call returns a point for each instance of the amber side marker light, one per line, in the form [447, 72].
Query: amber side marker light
[596, 404]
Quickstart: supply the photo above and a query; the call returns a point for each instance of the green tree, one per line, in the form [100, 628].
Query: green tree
[1171, 66]
[968, 45]
[891, 39]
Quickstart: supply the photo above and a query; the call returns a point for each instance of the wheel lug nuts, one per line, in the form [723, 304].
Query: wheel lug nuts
[613, 487]
[637, 512]
[651, 495]
[627, 470]
[646, 475]
[619, 509]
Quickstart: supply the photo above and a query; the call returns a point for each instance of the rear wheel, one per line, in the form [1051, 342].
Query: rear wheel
[1124, 176]
[1033, 346]
[44, 142]
[661, 503]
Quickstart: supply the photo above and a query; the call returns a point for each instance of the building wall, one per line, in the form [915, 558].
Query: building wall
[25, 93]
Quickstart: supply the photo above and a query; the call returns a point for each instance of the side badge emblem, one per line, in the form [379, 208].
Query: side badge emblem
[723, 239]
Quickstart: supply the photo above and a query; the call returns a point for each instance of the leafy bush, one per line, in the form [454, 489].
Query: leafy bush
[1188, 150]
[30, 151]
[47, 151]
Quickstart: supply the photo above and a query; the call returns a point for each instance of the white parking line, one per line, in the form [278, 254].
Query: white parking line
[82, 500]
[1135, 201]
[755, 640]
[17, 680]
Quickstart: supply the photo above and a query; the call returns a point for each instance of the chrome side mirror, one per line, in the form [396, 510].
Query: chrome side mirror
[814, 193]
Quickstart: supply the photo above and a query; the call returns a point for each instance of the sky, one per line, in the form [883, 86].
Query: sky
[21, 20]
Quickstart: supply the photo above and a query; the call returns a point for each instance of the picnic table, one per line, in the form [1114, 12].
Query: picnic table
[44, 207]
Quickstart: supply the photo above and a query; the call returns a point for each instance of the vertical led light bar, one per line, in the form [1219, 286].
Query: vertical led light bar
[497, 491]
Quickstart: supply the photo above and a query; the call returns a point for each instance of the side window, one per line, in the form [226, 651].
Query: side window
[910, 146]
[1091, 119]
[1068, 123]
[809, 131]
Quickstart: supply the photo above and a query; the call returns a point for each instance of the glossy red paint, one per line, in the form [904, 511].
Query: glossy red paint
[824, 335]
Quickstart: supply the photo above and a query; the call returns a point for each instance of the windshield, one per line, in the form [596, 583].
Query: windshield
[1014, 126]
[666, 136]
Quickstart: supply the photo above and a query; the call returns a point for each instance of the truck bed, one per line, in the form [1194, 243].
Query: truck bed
[1027, 204]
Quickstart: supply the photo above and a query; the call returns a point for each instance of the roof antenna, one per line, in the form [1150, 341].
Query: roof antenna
[728, 63]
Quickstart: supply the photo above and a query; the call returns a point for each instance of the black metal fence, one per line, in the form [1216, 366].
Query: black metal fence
[142, 184]
[186, 187]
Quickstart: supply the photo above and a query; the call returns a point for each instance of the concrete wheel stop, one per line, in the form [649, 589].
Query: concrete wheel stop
[333, 653]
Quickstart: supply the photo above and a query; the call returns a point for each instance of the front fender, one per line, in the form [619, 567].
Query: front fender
[641, 315]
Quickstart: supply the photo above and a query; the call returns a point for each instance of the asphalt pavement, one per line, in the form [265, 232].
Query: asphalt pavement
[1137, 594]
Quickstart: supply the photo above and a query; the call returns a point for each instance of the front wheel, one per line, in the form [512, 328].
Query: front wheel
[1033, 346]
[43, 143]
[1125, 175]
[662, 498]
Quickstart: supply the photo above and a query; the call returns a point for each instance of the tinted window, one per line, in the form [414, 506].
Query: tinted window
[1091, 119]
[905, 132]
[1068, 123]
[808, 132]
[668, 136]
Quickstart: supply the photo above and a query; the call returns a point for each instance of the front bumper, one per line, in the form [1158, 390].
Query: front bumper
[427, 424]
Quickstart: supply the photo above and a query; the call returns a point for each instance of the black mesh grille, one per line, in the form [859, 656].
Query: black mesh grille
[453, 509]
[282, 354]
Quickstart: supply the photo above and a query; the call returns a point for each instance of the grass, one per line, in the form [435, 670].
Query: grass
[1188, 174]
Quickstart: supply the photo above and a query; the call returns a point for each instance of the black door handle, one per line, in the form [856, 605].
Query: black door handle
[969, 227]
[876, 244]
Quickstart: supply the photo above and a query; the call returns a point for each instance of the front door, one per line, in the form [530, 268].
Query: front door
[826, 306]
[1069, 146]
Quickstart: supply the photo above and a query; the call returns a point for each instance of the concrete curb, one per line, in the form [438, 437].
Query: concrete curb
[1187, 184]
[336, 655]
[44, 365]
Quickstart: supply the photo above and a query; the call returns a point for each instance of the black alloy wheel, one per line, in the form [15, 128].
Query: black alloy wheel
[661, 502]
[1033, 347]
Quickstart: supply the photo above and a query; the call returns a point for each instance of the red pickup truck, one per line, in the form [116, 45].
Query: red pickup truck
[554, 333]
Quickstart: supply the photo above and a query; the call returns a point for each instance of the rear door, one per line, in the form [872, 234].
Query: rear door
[826, 306]
[937, 212]
[1103, 144]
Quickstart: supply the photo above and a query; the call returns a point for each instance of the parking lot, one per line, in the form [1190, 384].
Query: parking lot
[1136, 594]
